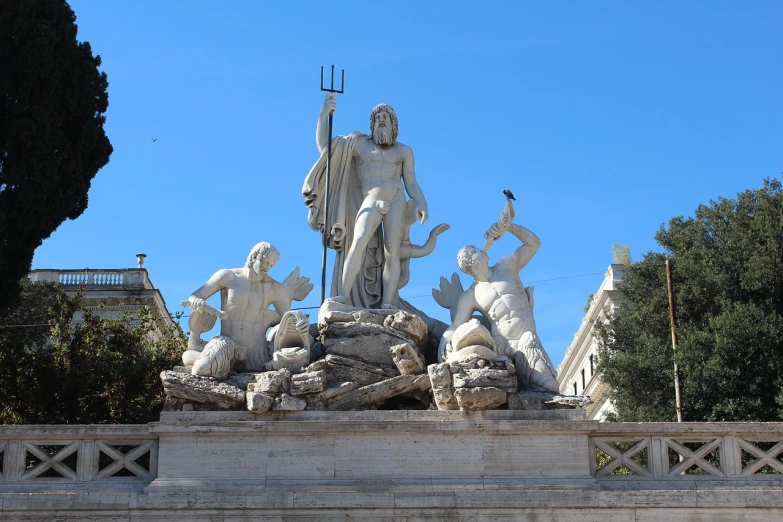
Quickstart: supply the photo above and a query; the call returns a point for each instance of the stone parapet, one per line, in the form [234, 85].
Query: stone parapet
[392, 465]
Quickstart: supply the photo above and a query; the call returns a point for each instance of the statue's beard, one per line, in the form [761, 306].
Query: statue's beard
[383, 135]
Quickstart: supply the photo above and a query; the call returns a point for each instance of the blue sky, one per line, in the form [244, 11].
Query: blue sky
[604, 118]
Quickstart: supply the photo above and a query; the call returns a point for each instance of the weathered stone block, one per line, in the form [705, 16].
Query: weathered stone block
[365, 316]
[259, 402]
[241, 380]
[287, 403]
[316, 366]
[201, 389]
[486, 377]
[273, 383]
[366, 342]
[310, 382]
[318, 400]
[408, 359]
[343, 369]
[409, 324]
[375, 394]
[442, 387]
[488, 398]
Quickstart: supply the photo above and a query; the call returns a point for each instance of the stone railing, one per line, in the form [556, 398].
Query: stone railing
[132, 277]
[392, 465]
[78, 454]
[40, 455]
[693, 451]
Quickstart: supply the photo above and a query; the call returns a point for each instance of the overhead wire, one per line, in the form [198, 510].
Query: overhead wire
[316, 307]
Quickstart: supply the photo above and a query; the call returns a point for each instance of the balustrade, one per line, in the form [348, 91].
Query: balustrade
[132, 277]
[32, 455]
[67, 454]
[683, 451]
[90, 278]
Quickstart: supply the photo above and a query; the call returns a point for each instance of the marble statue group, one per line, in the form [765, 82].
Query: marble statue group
[490, 351]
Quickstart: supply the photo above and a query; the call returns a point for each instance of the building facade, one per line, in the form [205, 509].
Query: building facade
[111, 292]
[577, 372]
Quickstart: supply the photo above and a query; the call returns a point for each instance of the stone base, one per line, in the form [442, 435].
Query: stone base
[390, 465]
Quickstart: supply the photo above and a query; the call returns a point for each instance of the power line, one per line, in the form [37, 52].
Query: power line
[317, 307]
[534, 281]
[22, 325]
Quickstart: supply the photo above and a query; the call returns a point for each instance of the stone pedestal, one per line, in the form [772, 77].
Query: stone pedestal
[392, 465]
[223, 451]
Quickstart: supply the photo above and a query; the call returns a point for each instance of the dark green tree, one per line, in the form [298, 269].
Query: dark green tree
[727, 271]
[52, 143]
[95, 371]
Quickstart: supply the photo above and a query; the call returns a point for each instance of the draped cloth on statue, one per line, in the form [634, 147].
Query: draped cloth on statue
[345, 199]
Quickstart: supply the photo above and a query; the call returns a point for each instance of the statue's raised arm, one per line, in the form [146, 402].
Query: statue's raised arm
[322, 128]
[522, 255]
[500, 296]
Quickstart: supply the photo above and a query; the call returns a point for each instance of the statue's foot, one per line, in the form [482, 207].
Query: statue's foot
[389, 307]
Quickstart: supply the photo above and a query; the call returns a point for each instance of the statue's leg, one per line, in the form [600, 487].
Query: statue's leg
[393, 231]
[367, 221]
[217, 358]
[256, 355]
[534, 368]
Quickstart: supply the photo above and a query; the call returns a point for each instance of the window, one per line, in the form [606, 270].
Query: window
[583, 379]
[574, 388]
[592, 365]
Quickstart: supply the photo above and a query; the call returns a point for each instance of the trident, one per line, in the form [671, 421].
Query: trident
[328, 177]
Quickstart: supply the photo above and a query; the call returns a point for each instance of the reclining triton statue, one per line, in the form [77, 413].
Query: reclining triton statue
[246, 295]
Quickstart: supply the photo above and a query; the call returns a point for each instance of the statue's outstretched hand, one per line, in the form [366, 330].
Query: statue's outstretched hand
[421, 213]
[330, 104]
[298, 286]
[196, 303]
[443, 349]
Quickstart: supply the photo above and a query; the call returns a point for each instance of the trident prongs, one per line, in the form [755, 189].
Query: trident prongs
[331, 87]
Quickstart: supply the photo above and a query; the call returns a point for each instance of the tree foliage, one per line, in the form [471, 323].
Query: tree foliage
[52, 142]
[727, 272]
[98, 370]
[621, 254]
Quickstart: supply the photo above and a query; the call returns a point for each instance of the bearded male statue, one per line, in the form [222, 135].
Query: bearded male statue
[369, 178]
[250, 302]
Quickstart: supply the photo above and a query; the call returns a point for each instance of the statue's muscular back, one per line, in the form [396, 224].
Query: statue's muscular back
[380, 169]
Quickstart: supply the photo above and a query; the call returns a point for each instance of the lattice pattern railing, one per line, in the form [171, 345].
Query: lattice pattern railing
[80, 459]
[685, 456]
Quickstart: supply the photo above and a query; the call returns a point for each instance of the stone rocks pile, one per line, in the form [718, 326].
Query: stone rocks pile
[373, 356]
[186, 392]
[373, 359]
[473, 383]
[370, 357]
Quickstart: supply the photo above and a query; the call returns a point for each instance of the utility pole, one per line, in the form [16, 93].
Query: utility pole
[678, 396]
[325, 236]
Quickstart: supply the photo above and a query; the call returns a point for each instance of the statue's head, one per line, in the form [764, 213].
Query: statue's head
[262, 258]
[383, 125]
[474, 262]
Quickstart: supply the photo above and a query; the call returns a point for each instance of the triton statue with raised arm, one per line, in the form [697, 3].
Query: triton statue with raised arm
[500, 296]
